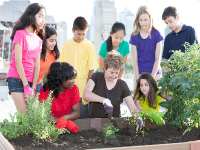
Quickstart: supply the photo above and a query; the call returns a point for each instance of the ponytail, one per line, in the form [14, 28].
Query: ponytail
[109, 44]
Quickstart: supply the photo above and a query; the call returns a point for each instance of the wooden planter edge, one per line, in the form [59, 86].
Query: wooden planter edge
[98, 123]
[4, 144]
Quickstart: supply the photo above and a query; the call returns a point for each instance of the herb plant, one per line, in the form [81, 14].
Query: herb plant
[36, 122]
[183, 83]
[152, 116]
[110, 131]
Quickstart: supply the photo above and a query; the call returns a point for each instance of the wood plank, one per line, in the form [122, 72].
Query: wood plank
[173, 146]
[195, 145]
[4, 144]
[83, 124]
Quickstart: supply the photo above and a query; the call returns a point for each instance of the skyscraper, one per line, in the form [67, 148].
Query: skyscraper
[127, 18]
[103, 17]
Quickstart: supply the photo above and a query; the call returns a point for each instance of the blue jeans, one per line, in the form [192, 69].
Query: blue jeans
[38, 87]
[16, 85]
[85, 110]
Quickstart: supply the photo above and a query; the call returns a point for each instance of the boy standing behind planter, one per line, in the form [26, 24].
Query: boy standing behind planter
[80, 53]
[180, 34]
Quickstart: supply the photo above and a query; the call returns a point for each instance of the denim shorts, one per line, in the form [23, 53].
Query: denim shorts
[16, 85]
[38, 87]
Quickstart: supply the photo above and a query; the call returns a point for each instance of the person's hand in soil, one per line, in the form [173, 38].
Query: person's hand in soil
[108, 107]
[68, 124]
[61, 123]
[72, 126]
[139, 121]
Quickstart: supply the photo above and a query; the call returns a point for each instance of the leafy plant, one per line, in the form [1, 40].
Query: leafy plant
[36, 122]
[183, 83]
[109, 130]
[152, 116]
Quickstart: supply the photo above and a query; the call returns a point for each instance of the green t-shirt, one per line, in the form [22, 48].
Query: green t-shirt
[123, 49]
[145, 105]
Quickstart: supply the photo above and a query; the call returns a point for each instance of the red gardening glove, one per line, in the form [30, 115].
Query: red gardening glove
[72, 126]
[61, 123]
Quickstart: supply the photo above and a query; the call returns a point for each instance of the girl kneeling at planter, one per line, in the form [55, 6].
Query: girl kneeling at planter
[145, 96]
[106, 92]
[60, 80]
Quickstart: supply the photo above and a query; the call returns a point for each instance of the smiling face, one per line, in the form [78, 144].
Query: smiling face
[117, 38]
[144, 87]
[171, 22]
[111, 74]
[79, 35]
[144, 21]
[40, 18]
[51, 42]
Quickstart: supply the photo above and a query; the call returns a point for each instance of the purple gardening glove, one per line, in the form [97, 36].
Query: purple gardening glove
[27, 91]
[108, 107]
[139, 121]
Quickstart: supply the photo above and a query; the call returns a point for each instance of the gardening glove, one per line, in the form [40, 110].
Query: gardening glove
[27, 91]
[61, 123]
[139, 121]
[34, 90]
[108, 107]
[72, 126]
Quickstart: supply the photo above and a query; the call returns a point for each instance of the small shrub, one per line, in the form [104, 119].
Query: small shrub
[109, 130]
[36, 122]
[183, 83]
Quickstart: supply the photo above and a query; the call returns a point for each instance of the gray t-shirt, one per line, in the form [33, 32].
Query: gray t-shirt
[116, 95]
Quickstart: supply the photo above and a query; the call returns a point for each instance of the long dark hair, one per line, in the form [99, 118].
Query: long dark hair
[28, 18]
[58, 73]
[153, 88]
[49, 31]
[117, 26]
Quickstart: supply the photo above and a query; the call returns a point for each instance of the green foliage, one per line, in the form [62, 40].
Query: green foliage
[36, 122]
[109, 130]
[157, 117]
[152, 116]
[128, 67]
[183, 82]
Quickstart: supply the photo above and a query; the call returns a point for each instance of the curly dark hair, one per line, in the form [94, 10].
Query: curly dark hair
[28, 18]
[49, 31]
[153, 88]
[117, 26]
[80, 23]
[58, 73]
[169, 11]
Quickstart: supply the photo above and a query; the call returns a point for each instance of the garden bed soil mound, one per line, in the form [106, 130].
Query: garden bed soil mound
[90, 139]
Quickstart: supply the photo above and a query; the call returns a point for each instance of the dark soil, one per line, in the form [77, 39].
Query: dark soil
[90, 139]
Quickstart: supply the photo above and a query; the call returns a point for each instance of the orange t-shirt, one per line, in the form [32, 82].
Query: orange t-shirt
[44, 65]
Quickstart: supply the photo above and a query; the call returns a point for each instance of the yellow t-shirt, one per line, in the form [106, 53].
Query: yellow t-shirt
[82, 57]
[145, 105]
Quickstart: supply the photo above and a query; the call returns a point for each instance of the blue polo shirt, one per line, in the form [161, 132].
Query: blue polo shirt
[175, 41]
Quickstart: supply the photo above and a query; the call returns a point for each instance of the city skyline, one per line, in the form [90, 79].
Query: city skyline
[186, 8]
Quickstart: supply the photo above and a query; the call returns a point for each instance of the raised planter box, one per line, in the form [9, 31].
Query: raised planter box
[98, 123]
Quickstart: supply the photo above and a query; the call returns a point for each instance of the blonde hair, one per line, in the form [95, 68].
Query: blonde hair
[113, 60]
[136, 25]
